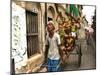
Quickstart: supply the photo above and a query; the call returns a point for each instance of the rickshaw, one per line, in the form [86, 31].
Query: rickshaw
[70, 44]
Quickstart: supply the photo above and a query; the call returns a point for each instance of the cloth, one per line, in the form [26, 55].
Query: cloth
[53, 43]
[53, 65]
[73, 28]
[73, 34]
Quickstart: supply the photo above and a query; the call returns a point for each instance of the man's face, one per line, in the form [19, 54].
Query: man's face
[73, 22]
[50, 28]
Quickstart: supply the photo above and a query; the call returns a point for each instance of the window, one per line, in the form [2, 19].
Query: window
[32, 33]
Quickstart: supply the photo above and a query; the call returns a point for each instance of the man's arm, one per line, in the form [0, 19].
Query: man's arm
[59, 47]
[46, 49]
[46, 53]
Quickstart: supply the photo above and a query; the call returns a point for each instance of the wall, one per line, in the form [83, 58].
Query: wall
[19, 46]
[25, 64]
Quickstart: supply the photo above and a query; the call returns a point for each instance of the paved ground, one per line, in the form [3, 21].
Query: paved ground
[89, 56]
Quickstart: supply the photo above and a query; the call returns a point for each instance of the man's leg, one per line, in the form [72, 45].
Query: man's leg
[55, 65]
[49, 65]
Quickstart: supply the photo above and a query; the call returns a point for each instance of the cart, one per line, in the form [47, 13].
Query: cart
[76, 51]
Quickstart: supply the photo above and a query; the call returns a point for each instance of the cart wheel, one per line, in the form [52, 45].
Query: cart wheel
[79, 55]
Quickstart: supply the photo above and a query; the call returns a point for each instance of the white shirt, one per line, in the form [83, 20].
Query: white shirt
[53, 43]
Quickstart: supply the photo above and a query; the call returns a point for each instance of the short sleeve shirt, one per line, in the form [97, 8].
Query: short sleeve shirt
[53, 46]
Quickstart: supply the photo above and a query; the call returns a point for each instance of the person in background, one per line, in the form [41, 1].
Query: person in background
[53, 53]
[89, 33]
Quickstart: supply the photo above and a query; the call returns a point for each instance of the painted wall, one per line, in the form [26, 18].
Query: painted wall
[19, 45]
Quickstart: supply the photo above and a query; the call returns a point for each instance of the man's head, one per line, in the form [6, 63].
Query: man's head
[72, 22]
[50, 26]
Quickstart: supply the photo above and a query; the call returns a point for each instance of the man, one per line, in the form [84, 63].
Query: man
[53, 52]
[74, 27]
